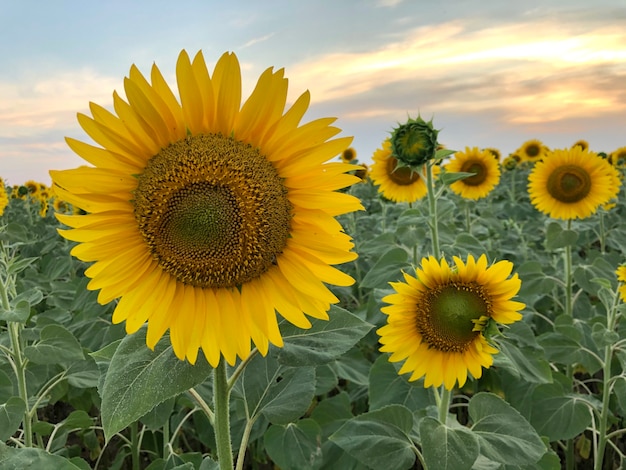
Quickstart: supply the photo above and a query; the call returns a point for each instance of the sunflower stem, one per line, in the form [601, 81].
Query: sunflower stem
[606, 386]
[569, 451]
[432, 209]
[468, 225]
[134, 445]
[444, 404]
[18, 360]
[222, 417]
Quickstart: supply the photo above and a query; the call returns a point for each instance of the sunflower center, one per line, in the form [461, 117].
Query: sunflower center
[446, 316]
[213, 211]
[473, 166]
[401, 175]
[533, 150]
[569, 183]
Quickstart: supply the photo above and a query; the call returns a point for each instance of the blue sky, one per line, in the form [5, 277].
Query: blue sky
[491, 73]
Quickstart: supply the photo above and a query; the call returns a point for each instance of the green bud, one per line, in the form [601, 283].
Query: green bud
[414, 143]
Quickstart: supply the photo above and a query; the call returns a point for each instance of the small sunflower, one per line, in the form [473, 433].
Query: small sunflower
[207, 217]
[33, 187]
[532, 150]
[583, 144]
[618, 157]
[4, 197]
[480, 162]
[348, 155]
[572, 183]
[397, 183]
[495, 152]
[510, 163]
[362, 172]
[436, 319]
[621, 277]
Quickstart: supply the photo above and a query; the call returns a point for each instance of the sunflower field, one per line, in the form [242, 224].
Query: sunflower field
[223, 287]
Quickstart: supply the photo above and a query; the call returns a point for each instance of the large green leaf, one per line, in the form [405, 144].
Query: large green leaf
[446, 448]
[557, 415]
[380, 438]
[324, 341]
[558, 237]
[295, 446]
[57, 346]
[282, 394]
[386, 387]
[11, 415]
[138, 379]
[388, 268]
[12, 458]
[504, 435]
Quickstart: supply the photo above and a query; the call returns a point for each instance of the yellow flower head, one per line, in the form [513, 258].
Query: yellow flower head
[618, 157]
[583, 144]
[480, 162]
[348, 155]
[205, 216]
[397, 183]
[4, 197]
[621, 277]
[572, 183]
[532, 150]
[436, 319]
[494, 152]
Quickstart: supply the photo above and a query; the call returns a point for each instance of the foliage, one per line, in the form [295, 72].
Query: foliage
[76, 392]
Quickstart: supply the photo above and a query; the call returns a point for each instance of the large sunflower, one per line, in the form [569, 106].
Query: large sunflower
[436, 319]
[397, 183]
[572, 183]
[532, 150]
[480, 162]
[206, 217]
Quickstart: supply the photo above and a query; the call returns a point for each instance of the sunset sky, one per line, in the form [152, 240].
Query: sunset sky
[490, 73]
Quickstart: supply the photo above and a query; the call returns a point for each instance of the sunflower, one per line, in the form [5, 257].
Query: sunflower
[618, 157]
[207, 217]
[4, 197]
[494, 152]
[480, 162]
[572, 183]
[532, 150]
[583, 144]
[436, 319]
[621, 277]
[348, 155]
[33, 187]
[397, 183]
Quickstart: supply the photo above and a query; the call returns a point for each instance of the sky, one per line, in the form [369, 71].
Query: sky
[490, 73]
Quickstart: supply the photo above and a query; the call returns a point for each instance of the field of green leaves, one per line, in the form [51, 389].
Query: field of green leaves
[76, 392]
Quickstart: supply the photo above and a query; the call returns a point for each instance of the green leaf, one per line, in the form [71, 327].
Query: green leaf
[380, 438]
[159, 415]
[19, 312]
[557, 415]
[324, 341]
[296, 446]
[525, 362]
[443, 153]
[504, 435]
[448, 177]
[330, 413]
[11, 415]
[12, 458]
[386, 387]
[282, 394]
[445, 448]
[78, 419]
[56, 346]
[558, 237]
[138, 379]
[388, 268]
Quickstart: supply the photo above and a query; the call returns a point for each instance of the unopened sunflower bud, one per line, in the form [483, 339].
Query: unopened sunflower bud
[414, 143]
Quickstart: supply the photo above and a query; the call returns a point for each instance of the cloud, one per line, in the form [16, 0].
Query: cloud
[254, 41]
[36, 104]
[544, 76]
